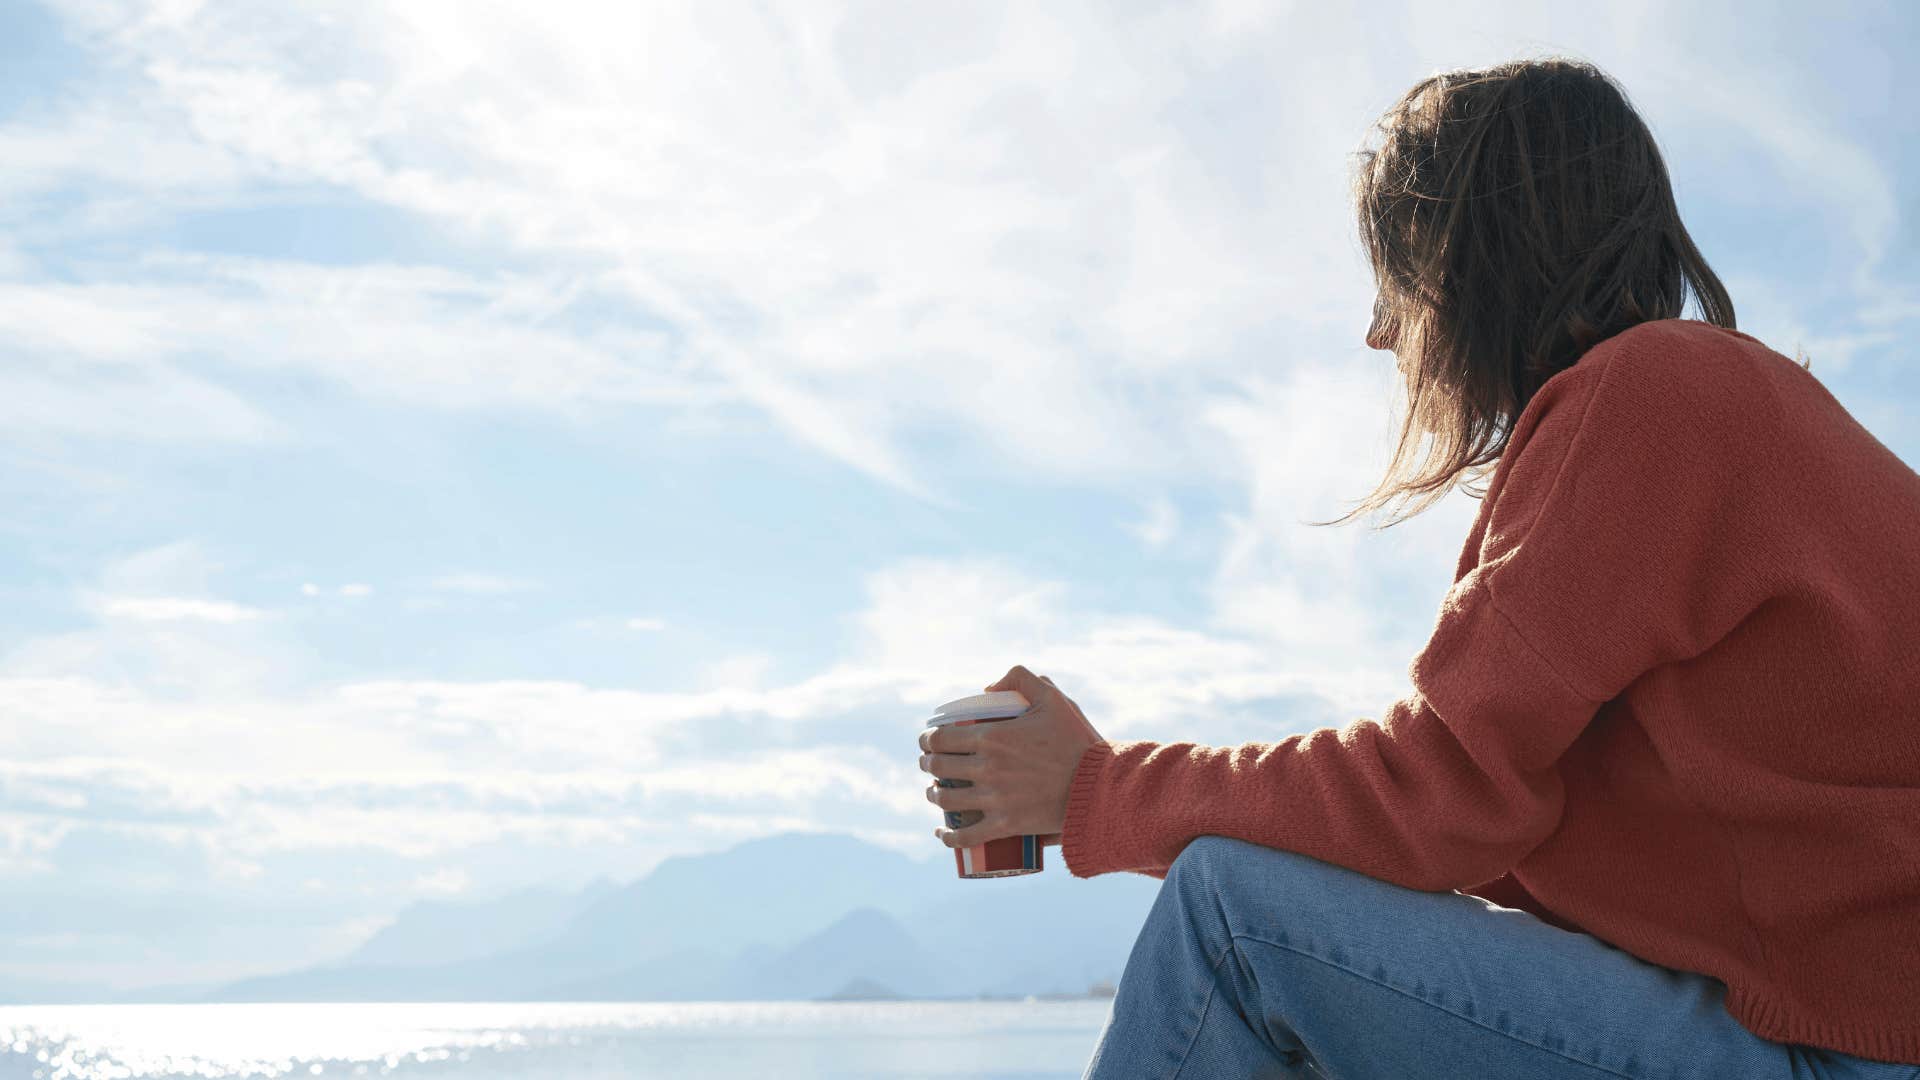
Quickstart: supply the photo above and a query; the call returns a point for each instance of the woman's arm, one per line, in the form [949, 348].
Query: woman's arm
[1450, 789]
[1630, 523]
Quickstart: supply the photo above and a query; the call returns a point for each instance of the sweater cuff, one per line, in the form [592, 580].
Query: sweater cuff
[1077, 846]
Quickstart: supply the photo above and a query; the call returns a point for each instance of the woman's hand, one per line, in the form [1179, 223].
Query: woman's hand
[1020, 768]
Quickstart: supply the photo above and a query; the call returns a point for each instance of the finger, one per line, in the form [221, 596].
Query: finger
[1031, 686]
[952, 766]
[948, 797]
[950, 739]
[977, 833]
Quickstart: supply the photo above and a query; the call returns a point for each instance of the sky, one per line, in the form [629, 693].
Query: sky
[452, 447]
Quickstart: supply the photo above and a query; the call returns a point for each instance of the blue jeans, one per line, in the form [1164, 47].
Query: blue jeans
[1263, 963]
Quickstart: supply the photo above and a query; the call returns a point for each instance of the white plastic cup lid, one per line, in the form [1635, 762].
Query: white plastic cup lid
[997, 705]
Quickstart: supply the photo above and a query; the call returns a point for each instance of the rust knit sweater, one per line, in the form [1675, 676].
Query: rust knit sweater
[1672, 700]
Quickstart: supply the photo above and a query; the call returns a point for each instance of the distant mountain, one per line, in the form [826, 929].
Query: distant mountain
[865, 943]
[445, 932]
[768, 891]
[863, 990]
[1047, 933]
[797, 916]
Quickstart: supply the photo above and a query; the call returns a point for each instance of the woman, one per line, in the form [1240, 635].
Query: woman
[1653, 809]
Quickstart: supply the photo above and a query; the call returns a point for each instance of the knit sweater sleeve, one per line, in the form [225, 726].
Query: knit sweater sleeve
[1614, 537]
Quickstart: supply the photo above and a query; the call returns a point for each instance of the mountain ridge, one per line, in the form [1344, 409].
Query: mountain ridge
[794, 915]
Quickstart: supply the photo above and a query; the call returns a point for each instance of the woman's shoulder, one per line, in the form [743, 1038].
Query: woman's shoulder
[1684, 356]
[1673, 372]
[1655, 404]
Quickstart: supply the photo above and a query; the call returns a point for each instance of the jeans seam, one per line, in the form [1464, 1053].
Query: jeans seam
[1212, 989]
[1414, 997]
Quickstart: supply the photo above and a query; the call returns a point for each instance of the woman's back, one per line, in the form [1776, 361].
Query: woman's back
[1752, 797]
[1668, 701]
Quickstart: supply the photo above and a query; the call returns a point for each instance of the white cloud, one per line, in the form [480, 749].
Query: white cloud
[877, 317]
[1158, 527]
[933, 237]
[123, 142]
[446, 881]
[480, 584]
[739, 670]
[1776, 316]
[25, 843]
[158, 625]
[1824, 165]
[154, 401]
[428, 337]
[1104, 279]
[1306, 445]
[13, 262]
[867, 774]
[351, 589]
[928, 621]
[249, 776]
[179, 568]
[169, 608]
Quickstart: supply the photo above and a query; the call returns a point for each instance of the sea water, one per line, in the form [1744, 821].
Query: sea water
[797, 1040]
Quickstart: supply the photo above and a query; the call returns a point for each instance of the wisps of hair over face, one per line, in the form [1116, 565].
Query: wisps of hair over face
[1514, 217]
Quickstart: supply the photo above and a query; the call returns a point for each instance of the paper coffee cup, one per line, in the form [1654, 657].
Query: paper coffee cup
[1009, 855]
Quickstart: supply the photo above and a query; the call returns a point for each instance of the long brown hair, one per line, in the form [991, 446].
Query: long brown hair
[1514, 217]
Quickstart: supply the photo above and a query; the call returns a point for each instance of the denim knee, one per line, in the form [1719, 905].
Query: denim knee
[1204, 857]
[1221, 860]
